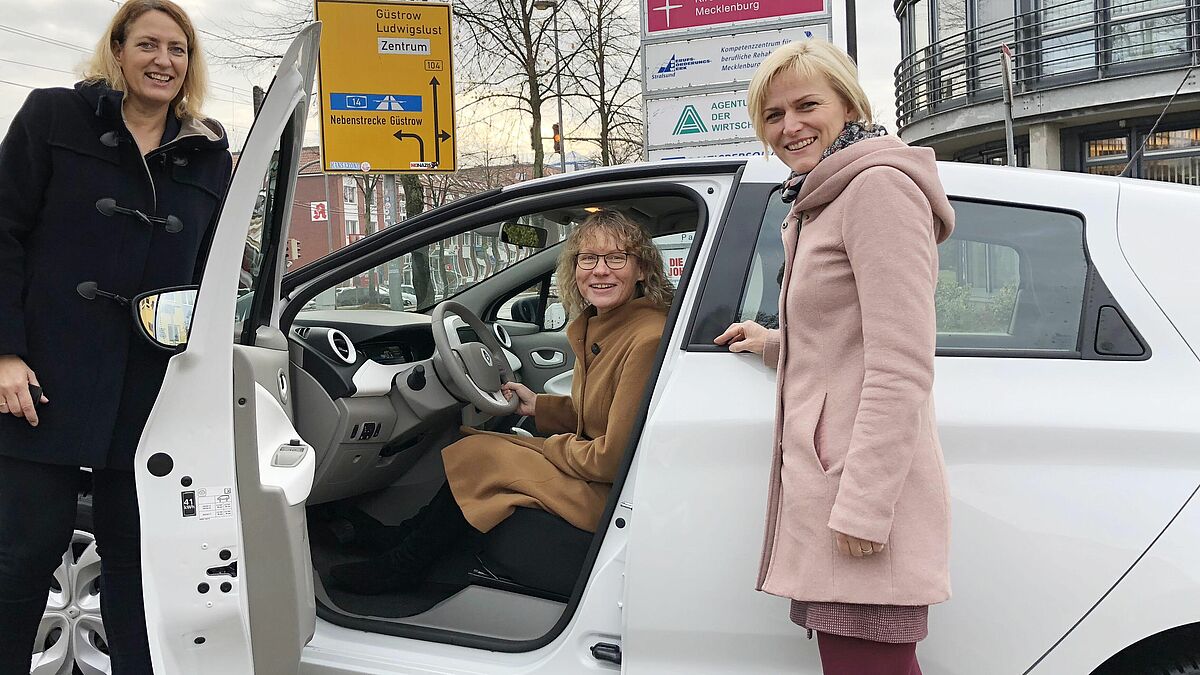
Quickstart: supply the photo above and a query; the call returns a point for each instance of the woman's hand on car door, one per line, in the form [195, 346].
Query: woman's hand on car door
[746, 336]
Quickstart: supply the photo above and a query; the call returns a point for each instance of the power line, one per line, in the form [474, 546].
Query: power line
[43, 38]
[240, 44]
[30, 65]
[83, 50]
[18, 84]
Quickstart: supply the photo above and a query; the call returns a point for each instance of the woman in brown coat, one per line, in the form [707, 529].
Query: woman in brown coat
[857, 532]
[612, 280]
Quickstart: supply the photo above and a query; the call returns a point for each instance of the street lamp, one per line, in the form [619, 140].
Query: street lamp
[553, 6]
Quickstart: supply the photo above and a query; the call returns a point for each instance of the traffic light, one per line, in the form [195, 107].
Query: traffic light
[557, 140]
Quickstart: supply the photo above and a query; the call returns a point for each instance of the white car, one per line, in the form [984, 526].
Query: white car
[1067, 371]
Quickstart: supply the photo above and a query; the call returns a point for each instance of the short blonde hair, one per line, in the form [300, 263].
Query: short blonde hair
[809, 59]
[633, 239]
[104, 68]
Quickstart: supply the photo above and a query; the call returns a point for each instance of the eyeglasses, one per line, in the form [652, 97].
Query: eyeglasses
[614, 261]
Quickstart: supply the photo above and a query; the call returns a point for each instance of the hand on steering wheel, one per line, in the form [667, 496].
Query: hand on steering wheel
[478, 369]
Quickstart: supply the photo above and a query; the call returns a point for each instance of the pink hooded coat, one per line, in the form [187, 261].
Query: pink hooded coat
[856, 444]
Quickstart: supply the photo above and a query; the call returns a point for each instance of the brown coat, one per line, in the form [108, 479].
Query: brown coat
[568, 474]
[856, 445]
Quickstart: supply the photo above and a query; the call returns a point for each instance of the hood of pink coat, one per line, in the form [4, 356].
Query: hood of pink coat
[826, 182]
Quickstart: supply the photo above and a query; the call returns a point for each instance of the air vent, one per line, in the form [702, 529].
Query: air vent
[301, 332]
[342, 346]
[502, 335]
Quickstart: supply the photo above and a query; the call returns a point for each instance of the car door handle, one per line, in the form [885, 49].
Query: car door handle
[555, 358]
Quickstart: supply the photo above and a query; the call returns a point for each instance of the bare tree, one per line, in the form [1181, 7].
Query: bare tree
[263, 40]
[510, 57]
[602, 76]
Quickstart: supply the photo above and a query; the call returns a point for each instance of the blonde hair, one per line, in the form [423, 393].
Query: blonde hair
[808, 59]
[104, 68]
[633, 239]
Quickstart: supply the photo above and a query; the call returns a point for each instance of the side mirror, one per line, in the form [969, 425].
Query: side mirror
[556, 316]
[164, 317]
[525, 236]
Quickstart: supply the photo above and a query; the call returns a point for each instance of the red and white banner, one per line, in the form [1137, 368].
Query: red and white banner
[669, 15]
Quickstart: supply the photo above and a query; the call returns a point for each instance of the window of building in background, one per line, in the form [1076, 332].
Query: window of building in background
[951, 52]
[995, 153]
[1068, 43]
[1154, 28]
[993, 25]
[915, 68]
[1106, 156]
[1171, 156]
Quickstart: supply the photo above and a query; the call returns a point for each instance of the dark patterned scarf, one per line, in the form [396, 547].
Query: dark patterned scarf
[852, 133]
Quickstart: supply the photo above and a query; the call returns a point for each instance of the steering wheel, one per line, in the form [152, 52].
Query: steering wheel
[477, 368]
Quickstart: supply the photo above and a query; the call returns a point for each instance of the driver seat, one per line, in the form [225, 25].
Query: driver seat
[533, 552]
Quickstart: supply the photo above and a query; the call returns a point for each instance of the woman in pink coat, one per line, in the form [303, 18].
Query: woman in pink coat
[857, 530]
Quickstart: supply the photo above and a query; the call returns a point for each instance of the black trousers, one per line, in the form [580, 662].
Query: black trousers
[37, 517]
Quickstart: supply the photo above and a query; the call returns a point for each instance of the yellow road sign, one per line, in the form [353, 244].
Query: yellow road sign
[386, 86]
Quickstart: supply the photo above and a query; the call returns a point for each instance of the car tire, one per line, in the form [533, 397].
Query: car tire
[71, 638]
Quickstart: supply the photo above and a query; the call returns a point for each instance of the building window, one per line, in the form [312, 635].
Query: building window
[996, 153]
[1171, 156]
[349, 194]
[351, 226]
[1068, 43]
[1182, 139]
[1155, 28]
[1106, 156]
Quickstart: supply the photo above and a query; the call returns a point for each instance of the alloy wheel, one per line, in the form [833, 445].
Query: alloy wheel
[71, 638]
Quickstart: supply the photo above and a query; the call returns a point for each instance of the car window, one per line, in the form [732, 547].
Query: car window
[1009, 278]
[270, 210]
[418, 280]
[525, 305]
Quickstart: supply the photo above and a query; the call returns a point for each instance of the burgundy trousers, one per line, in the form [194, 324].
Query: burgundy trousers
[855, 656]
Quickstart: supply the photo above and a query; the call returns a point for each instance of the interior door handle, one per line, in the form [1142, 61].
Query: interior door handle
[555, 358]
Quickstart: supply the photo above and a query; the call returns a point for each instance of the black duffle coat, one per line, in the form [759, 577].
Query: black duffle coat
[65, 150]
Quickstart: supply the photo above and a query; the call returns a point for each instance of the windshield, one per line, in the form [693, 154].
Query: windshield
[418, 280]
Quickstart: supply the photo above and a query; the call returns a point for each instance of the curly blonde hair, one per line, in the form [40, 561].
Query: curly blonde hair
[633, 239]
[104, 68]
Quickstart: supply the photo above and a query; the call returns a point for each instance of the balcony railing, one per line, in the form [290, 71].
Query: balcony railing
[1069, 43]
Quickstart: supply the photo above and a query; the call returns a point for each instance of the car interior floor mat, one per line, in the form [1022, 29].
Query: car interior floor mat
[448, 576]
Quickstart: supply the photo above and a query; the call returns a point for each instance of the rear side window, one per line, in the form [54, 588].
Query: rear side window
[1010, 278]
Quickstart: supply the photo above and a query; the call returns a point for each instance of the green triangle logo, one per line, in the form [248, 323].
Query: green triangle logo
[690, 122]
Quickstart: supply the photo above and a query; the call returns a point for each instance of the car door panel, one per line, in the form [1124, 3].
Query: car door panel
[222, 543]
[537, 352]
[273, 484]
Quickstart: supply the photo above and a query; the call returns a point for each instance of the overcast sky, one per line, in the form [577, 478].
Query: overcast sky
[73, 26]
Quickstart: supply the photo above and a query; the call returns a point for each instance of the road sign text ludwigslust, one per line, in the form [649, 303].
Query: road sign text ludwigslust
[387, 87]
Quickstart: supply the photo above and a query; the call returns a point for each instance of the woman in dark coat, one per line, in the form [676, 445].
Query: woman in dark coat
[76, 384]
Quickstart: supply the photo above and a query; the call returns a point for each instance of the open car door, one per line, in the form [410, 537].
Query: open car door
[222, 475]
